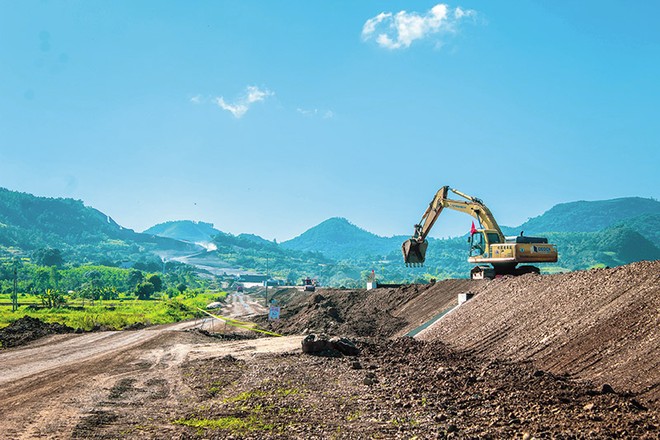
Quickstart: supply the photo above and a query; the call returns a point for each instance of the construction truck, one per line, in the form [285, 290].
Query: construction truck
[491, 252]
[309, 285]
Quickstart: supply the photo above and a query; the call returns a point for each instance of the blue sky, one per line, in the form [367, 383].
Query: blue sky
[269, 117]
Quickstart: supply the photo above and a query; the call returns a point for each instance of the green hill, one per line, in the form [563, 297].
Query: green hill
[340, 239]
[83, 234]
[252, 253]
[185, 230]
[593, 216]
[647, 225]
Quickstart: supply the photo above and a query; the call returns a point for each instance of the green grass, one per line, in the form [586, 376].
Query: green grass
[230, 423]
[115, 314]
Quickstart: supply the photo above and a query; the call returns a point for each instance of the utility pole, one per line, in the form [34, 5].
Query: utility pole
[14, 296]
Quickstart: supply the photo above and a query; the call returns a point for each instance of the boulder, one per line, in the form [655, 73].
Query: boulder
[321, 344]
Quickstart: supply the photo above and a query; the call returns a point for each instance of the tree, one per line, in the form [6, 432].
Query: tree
[52, 298]
[92, 288]
[156, 281]
[109, 293]
[144, 290]
[135, 277]
[48, 257]
[181, 288]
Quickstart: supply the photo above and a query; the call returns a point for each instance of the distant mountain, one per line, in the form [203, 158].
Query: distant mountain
[337, 252]
[255, 239]
[185, 230]
[83, 234]
[340, 239]
[589, 216]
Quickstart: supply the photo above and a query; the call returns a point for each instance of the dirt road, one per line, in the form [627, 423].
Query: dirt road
[66, 386]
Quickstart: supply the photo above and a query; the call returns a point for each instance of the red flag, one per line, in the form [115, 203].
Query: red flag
[473, 230]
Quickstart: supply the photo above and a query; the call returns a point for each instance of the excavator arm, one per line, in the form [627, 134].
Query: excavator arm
[414, 249]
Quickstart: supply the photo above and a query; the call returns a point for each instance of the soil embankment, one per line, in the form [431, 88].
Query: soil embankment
[382, 312]
[600, 325]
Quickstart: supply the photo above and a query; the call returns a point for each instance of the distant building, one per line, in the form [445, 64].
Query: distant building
[248, 281]
[274, 282]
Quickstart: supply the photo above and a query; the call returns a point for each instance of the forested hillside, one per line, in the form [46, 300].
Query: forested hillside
[340, 239]
[82, 234]
[592, 216]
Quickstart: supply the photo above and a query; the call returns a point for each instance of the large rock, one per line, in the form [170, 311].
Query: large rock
[314, 344]
[321, 344]
[345, 346]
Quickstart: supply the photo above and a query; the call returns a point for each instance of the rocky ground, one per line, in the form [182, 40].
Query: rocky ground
[401, 389]
[383, 312]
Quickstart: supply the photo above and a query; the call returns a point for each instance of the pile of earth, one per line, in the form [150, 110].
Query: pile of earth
[27, 329]
[600, 325]
[383, 312]
[402, 388]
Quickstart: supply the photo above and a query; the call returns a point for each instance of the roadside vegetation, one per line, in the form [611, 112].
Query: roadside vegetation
[91, 297]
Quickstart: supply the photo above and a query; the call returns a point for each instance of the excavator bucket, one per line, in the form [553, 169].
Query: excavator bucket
[414, 252]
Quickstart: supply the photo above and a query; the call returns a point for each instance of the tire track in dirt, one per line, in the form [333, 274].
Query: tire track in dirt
[45, 388]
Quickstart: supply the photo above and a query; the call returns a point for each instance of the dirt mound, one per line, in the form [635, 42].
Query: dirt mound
[383, 312]
[27, 329]
[601, 325]
[335, 311]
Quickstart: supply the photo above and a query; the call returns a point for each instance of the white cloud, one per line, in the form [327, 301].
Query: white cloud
[324, 114]
[197, 99]
[242, 105]
[399, 30]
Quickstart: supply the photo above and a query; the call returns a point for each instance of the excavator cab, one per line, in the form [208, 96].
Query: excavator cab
[481, 240]
[477, 244]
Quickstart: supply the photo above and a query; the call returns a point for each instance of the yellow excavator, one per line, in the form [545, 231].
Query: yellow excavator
[492, 253]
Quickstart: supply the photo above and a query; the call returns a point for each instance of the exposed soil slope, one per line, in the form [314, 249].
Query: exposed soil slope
[601, 325]
[383, 312]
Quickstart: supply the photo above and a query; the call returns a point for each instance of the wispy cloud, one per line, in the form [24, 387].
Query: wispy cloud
[325, 114]
[239, 107]
[399, 30]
